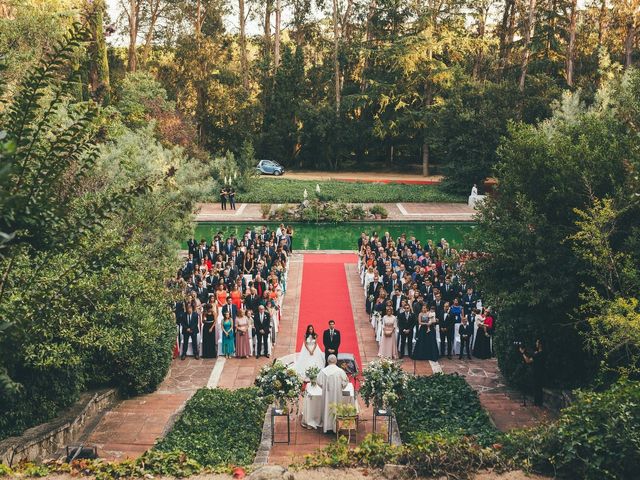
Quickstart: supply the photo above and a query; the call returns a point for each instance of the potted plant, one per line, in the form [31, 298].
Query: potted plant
[379, 211]
[384, 382]
[346, 417]
[280, 384]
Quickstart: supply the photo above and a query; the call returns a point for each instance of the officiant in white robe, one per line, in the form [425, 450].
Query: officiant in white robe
[333, 380]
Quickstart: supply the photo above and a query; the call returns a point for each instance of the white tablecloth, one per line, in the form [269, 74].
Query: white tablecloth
[312, 407]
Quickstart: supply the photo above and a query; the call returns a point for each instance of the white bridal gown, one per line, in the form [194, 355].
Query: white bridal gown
[305, 360]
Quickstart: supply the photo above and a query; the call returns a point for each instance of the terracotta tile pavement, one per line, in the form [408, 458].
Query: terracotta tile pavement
[133, 425]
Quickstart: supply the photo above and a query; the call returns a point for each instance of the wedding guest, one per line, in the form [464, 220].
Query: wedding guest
[232, 198]
[447, 332]
[243, 344]
[406, 324]
[482, 346]
[389, 342]
[262, 323]
[228, 338]
[466, 332]
[223, 198]
[426, 344]
[190, 331]
[209, 343]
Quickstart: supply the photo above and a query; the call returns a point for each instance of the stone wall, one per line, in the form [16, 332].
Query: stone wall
[43, 441]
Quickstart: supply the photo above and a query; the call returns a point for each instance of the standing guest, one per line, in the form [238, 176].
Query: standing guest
[406, 324]
[221, 295]
[190, 331]
[469, 302]
[243, 345]
[230, 308]
[482, 346]
[331, 340]
[538, 360]
[228, 347]
[426, 344]
[262, 323]
[389, 341]
[223, 198]
[236, 296]
[466, 332]
[290, 238]
[447, 332]
[232, 198]
[209, 343]
[456, 310]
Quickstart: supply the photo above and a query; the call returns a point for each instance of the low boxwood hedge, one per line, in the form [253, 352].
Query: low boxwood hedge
[443, 404]
[218, 427]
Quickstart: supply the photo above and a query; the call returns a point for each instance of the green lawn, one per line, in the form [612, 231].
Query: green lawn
[281, 190]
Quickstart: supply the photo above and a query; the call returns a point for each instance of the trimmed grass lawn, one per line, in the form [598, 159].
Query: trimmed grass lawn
[282, 190]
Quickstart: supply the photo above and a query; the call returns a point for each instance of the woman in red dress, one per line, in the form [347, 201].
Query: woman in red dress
[236, 297]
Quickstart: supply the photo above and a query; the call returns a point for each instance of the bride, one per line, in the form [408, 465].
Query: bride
[310, 354]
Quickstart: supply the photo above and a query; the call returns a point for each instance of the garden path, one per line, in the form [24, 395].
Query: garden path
[454, 212]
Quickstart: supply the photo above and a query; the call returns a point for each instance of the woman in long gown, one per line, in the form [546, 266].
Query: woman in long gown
[389, 341]
[221, 295]
[426, 344]
[243, 347]
[228, 340]
[310, 354]
[209, 342]
[482, 345]
[236, 297]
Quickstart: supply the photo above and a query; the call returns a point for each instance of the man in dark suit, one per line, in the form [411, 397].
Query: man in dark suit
[252, 300]
[189, 330]
[262, 323]
[466, 332]
[447, 291]
[331, 340]
[191, 245]
[447, 333]
[231, 308]
[372, 291]
[469, 302]
[202, 292]
[406, 323]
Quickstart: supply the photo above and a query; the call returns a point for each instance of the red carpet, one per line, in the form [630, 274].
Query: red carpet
[324, 297]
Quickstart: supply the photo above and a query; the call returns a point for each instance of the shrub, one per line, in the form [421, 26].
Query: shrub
[218, 427]
[378, 209]
[597, 437]
[443, 404]
[265, 209]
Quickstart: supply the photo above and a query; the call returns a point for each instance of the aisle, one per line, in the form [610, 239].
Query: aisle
[324, 297]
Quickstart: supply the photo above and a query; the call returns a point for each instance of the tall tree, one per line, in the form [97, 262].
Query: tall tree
[529, 26]
[99, 83]
[571, 44]
[242, 43]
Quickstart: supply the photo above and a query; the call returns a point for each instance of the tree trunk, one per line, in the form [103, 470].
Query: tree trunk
[244, 63]
[199, 19]
[572, 41]
[267, 27]
[602, 24]
[154, 14]
[425, 146]
[506, 33]
[276, 46]
[529, 28]
[482, 20]
[369, 43]
[628, 41]
[336, 59]
[99, 84]
[133, 34]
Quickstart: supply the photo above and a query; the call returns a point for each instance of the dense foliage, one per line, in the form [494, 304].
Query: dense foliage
[431, 455]
[442, 404]
[218, 427]
[282, 190]
[90, 209]
[597, 437]
[563, 232]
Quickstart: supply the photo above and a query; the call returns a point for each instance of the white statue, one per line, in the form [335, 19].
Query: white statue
[317, 188]
[474, 191]
[305, 194]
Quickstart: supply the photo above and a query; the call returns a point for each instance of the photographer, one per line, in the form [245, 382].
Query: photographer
[538, 361]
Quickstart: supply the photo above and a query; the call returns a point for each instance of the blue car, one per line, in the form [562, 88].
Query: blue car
[269, 167]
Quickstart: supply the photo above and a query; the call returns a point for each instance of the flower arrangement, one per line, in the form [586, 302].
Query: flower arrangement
[384, 382]
[277, 382]
[312, 373]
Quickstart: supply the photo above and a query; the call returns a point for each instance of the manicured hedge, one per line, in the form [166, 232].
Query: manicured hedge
[282, 190]
[443, 404]
[218, 427]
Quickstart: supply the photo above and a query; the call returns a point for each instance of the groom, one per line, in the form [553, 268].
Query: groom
[331, 341]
